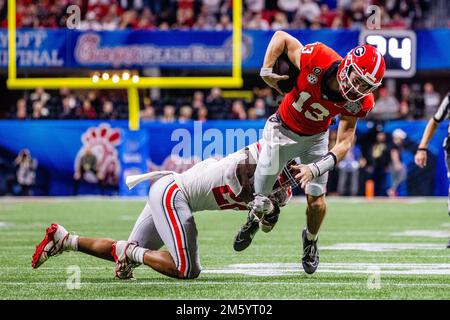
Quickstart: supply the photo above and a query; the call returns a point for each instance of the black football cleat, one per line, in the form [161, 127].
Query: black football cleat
[310, 258]
[245, 236]
[268, 221]
[448, 244]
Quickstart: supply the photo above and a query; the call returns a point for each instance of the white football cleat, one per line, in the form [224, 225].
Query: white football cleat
[51, 245]
[124, 266]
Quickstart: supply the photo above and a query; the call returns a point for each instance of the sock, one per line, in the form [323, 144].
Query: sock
[136, 254]
[71, 242]
[310, 236]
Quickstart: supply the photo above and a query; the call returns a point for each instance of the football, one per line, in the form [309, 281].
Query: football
[283, 66]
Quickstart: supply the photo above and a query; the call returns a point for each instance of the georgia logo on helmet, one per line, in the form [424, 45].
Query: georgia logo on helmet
[360, 72]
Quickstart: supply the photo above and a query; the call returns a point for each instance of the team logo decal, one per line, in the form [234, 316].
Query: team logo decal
[359, 51]
[98, 159]
[317, 70]
[353, 107]
[312, 78]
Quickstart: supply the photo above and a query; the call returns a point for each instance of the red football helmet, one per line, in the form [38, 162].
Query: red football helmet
[282, 190]
[360, 72]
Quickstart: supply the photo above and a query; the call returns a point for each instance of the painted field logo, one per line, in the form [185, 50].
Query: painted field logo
[98, 158]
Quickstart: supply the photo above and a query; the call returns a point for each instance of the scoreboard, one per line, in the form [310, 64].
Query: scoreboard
[398, 48]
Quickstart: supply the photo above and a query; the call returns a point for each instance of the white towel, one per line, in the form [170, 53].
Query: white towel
[133, 180]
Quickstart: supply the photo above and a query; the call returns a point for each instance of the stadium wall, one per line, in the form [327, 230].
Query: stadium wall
[59, 146]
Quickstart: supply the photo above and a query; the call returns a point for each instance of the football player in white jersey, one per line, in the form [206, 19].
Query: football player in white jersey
[167, 217]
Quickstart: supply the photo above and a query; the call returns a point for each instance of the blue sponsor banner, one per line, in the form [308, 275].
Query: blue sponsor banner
[134, 153]
[342, 41]
[131, 49]
[63, 147]
[121, 49]
[38, 48]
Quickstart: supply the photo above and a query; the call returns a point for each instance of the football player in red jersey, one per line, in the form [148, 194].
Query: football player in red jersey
[327, 85]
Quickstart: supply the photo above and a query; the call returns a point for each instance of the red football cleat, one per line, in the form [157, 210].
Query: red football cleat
[51, 245]
[124, 266]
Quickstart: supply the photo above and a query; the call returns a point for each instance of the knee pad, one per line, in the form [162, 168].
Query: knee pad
[314, 189]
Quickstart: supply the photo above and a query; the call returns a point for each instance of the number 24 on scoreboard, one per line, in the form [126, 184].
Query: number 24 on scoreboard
[398, 48]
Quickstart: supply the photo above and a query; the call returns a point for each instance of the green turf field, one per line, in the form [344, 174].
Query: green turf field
[400, 243]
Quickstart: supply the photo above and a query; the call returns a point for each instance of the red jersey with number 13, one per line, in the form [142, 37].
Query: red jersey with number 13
[305, 109]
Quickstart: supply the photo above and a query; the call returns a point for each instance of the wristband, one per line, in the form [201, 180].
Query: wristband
[265, 72]
[422, 149]
[327, 163]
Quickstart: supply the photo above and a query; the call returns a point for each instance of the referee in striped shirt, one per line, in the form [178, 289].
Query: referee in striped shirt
[420, 158]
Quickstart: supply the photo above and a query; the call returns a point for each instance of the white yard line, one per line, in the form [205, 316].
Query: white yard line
[5, 225]
[382, 246]
[281, 269]
[246, 283]
[422, 233]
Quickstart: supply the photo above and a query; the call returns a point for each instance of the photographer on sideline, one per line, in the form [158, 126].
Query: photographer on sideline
[26, 172]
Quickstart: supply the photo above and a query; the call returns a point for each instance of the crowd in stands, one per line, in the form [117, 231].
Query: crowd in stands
[65, 104]
[413, 102]
[375, 165]
[216, 14]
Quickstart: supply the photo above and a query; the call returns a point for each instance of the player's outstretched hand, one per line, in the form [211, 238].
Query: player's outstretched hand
[304, 176]
[421, 158]
[272, 80]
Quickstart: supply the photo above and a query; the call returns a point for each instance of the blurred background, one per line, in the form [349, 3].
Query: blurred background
[78, 141]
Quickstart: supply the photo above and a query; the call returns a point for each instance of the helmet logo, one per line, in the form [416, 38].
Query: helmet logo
[359, 51]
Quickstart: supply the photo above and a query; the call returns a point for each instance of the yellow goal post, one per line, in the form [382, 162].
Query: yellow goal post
[132, 86]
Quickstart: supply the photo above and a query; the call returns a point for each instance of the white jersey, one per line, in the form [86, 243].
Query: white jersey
[210, 184]
[213, 184]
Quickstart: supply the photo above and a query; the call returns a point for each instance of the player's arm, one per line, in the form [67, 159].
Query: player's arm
[344, 140]
[280, 42]
[243, 173]
[421, 154]
[345, 136]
